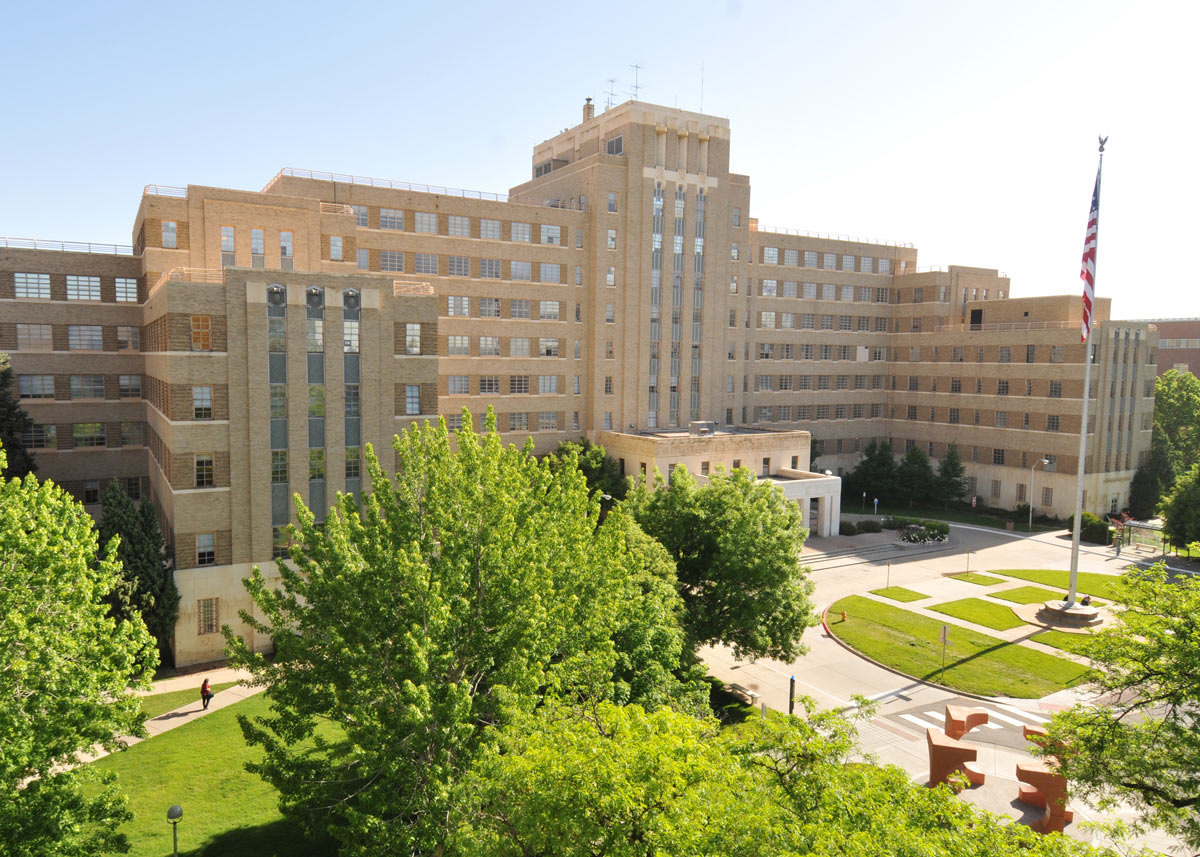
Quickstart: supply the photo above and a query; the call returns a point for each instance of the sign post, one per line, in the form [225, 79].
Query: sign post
[944, 636]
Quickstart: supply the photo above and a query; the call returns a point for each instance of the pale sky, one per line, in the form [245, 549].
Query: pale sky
[965, 128]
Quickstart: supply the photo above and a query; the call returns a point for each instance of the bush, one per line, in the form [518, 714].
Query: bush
[895, 522]
[847, 528]
[869, 526]
[937, 528]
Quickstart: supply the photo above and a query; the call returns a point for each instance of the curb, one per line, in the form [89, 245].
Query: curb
[894, 671]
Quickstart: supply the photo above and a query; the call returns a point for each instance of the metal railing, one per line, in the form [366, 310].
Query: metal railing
[391, 184]
[1009, 325]
[939, 269]
[66, 246]
[164, 190]
[191, 275]
[803, 233]
[400, 288]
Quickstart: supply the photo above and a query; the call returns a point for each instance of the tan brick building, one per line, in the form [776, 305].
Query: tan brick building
[249, 344]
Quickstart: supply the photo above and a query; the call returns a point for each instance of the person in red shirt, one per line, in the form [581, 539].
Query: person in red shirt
[205, 693]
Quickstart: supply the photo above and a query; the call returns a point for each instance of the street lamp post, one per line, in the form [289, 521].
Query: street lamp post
[174, 816]
[864, 506]
[1043, 462]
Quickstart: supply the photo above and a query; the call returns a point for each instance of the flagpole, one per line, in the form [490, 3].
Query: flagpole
[1087, 394]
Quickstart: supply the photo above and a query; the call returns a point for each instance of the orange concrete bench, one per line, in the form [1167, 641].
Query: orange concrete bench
[1043, 788]
[960, 720]
[948, 755]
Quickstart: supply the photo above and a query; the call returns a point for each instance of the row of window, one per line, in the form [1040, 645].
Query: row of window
[79, 287]
[789, 413]
[1004, 353]
[953, 416]
[828, 261]
[770, 288]
[80, 337]
[1054, 390]
[769, 319]
[543, 385]
[45, 435]
[460, 305]
[458, 225]
[489, 346]
[770, 383]
[797, 351]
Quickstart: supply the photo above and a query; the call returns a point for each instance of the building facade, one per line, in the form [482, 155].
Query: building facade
[249, 344]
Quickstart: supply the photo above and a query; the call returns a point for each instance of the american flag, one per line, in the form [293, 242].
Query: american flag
[1088, 271]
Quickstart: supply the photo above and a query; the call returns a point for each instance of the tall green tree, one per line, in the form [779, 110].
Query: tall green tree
[1153, 480]
[950, 484]
[66, 667]
[602, 473]
[409, 631]
[1139, 742]
[147, 586]
[1177, 416]
[14, 422]
[736, 542]
[875, 473]
[1181, 509]
[914, 476]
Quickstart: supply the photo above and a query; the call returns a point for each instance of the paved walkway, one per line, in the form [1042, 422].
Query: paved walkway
[830, 674]
[185, 713]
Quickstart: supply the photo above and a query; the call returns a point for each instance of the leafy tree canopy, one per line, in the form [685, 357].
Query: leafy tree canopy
[950, 484]
[1177, 416]
[65, 667]
[875, 473]
[602, 473]
[406, 633]
[1181, 509]
[1153, 480]
[914, 476]
[14, 422]
[736, 543]
[1140, 741]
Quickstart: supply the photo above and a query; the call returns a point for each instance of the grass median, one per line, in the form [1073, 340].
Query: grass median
[899, 593]
[975, 662]
[977, 578]
[160, 703]
[985, 613]
[1089, 582]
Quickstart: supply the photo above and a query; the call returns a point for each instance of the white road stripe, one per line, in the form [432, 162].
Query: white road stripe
[1003, 718]
[917, 720]
[1036, 718]
[942, 716]
[939, 717]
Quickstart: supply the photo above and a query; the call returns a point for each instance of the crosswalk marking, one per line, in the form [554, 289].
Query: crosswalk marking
[1003, 718]
[1036, 718]
[917, 720]
[934, 714]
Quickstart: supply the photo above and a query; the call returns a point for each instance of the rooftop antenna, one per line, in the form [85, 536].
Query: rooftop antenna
[608, 102]
[636, 68]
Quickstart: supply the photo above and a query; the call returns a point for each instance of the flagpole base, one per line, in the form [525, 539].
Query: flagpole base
[1073, 615]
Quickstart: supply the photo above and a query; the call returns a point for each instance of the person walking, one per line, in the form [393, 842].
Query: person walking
[205, 694]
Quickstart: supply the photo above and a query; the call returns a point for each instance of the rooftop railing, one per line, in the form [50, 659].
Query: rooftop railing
[66, 246]
[164, 190]
[832, 237]
[335, 208]
[1010, 325]
[191, 275]
[391, 184]
[937, 269]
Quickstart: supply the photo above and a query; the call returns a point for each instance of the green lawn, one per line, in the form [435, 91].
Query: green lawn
[977, 578]
[161, 703]
[985, 613]
[1072, 643]
[899, 593]
[1034, 595]
[200, 766]
[976, 663]
[1090, 583]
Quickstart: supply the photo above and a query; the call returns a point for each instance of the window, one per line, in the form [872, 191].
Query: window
[425, 221]
[170, 234]
[518, 422]
[489, 385]
[456, 266]
[392, 218]
[1030, 352]
[131, 434]
[612, 202]
[522, 271]
[489, 346]
[547, 421]
[518, 308]
[458, 305]
[1056, 389]
[612, 239]
[458, 345]
[1051, 465]
[1002, 387]
[279, 466]
[1048, 496]
[548, 310]
[615, 145]
[88, 434]
[285, 245]
[610, 278]
[1057, 353]
[458, 385]
[551, 234]
[92, 386]
[32, 285]
[489, 229]
[85, 337]
[518, 346]
[829, 261]
[608, 349]
[353, 462]
[1001, 419]
[427, 263]
[733, 251]
[522, 232]
[518, 384]
[412, 399]
[360, 215]
[316, 400]
[770, 255]
[1052, 422]
[41, 437]
[547, 384]
[256, 241]
[81, 288]
[766, 319]
[202, 333]
[391, 260]
[350, 336]
[489, 269]
[204, 470]
[953, 416]
[206, 554]
[352, 403]
[315, 338]
[550, 272]
[997, 456]
[35, 386]
[316, 464]
[548, 347]
[458, 225]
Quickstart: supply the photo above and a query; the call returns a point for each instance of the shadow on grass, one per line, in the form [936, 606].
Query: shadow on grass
[280, 838]
[726, 707]
[932, 676]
